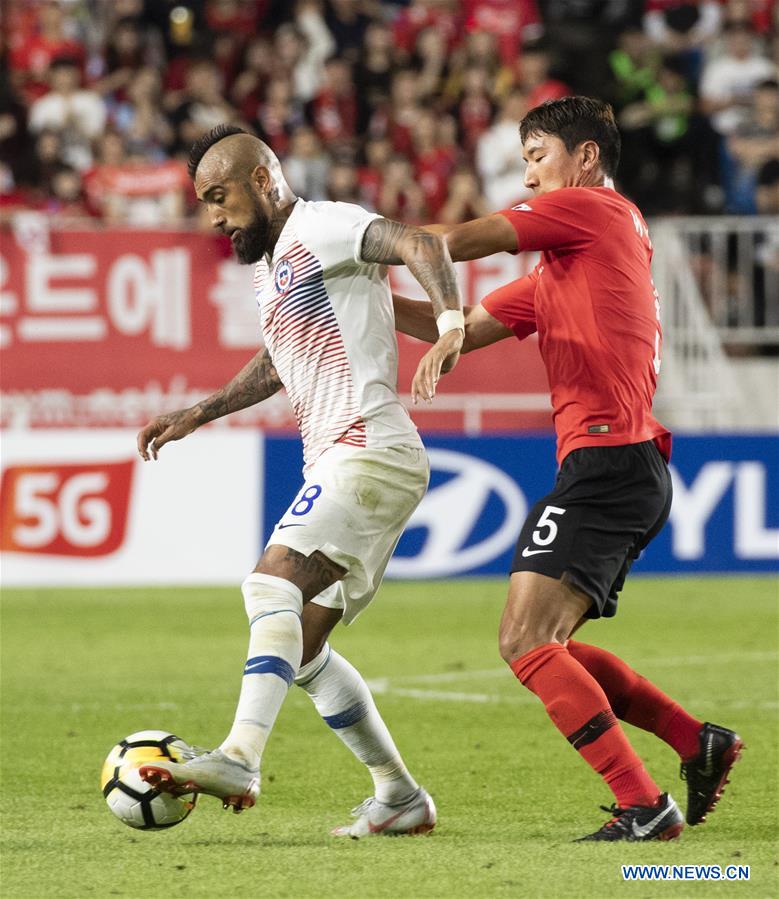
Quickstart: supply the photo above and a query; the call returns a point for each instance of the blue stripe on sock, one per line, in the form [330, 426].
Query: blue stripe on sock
[270, 665]
[346, 719]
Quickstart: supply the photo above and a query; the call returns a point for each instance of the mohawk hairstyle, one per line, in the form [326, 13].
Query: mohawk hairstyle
[203, 144]
[575, 120]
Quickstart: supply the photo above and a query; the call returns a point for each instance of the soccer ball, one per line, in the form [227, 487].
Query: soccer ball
[131, 799]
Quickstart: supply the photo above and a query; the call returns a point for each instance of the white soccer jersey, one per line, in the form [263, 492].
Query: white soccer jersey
[328, 323]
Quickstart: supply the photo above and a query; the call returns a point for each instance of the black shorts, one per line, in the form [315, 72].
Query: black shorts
[607, 504]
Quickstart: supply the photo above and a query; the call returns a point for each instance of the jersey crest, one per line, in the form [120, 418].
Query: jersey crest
[283, 275]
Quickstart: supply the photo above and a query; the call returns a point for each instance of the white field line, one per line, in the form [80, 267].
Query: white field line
[123, 706]
[392, 685]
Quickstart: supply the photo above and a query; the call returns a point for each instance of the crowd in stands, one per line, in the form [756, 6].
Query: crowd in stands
[410, 108]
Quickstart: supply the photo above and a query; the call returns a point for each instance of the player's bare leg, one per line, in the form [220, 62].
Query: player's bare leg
[274, 595]
[342, 698]
[540, 614]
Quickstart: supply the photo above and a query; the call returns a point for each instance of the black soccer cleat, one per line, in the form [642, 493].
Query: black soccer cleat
[707, 773]
[640, 823]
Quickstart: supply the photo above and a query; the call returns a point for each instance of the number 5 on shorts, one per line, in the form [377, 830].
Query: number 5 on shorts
[545, 521]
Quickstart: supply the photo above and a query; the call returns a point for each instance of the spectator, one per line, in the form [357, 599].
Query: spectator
[52, 39]
[373, 73]
[125, 56]
[279, 115]
[398, 120]
[14, 136]
[226, 51]
[307, 166]
[583, 33]
[433, 163]
[139, 118]
[256, 72]
[343, 184]
[66, 196]
[728, 81]
[442, 15]
[201, 106]
[475, 107]
[79, 115]
[302, 48]
[512, 22]
[464, 201]
[334, 108]
[534, 78]
[499, 156]
[634, 64]
[479, 51]
[378, 152]
[400, 196]
[660, 141]
[751, 147]
[347, 24]
[430, 62]
[767, 193]
[47, 158]
[679, 26]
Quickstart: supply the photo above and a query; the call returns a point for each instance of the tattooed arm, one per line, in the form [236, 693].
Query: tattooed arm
[428, 260]
[255, 382]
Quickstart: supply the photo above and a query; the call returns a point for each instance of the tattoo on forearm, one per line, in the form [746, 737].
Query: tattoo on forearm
[428, 260]
[255, 382]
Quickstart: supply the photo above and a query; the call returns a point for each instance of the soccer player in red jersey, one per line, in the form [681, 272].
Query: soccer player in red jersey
[597, 314]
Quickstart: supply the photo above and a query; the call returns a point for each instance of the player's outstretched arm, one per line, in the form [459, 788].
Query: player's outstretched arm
[415, 318]
[428, 260]
[255, 382]
[478, 238]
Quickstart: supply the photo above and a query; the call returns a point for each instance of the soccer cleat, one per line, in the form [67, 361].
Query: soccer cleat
[707, 772]
[212, 773]
[640, 823]
[373, 818]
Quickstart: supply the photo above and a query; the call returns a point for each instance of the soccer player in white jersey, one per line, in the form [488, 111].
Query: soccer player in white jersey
[329, 332]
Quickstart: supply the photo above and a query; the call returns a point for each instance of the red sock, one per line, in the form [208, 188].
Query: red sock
[579, 709]
[638, 701]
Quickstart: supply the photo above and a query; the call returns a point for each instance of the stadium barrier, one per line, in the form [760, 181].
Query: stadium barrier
[80, 507]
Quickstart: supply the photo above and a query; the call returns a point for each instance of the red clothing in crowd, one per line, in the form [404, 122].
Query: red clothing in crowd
[513, 22]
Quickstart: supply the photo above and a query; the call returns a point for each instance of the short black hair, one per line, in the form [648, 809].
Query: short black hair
[575, 120]
[203, 144]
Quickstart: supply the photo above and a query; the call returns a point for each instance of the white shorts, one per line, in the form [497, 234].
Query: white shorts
[353, 507]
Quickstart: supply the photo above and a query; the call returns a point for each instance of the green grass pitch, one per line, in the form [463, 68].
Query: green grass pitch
[83, 668]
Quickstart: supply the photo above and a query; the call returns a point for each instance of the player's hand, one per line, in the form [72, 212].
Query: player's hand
[164, 428]
[441, 357]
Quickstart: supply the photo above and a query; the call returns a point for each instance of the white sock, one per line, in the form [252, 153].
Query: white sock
[274, 606]
[343, 699]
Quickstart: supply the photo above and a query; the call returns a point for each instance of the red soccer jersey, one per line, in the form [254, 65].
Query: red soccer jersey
[593, 303]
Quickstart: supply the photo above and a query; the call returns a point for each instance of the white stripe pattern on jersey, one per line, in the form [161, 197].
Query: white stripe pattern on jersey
[305, 342]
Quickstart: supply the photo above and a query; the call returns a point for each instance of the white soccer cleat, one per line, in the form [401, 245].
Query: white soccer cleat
[213, 773]
[373, 818]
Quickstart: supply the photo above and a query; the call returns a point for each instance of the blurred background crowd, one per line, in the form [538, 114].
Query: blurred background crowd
[409, 108]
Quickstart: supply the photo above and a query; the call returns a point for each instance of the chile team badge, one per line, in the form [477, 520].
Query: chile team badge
[283, 276]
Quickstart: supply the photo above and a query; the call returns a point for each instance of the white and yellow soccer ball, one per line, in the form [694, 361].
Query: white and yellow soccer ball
[131, 799]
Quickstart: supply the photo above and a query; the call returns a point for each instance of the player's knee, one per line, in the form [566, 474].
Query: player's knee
[264, 594]
[312, 663]
[516, 640]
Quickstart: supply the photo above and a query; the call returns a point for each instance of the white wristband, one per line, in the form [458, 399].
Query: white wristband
[451, 320]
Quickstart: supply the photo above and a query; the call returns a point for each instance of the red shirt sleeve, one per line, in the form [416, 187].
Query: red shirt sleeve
[571, 218]
[513, 305]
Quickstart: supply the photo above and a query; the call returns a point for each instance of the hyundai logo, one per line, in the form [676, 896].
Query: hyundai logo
[460, 536]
